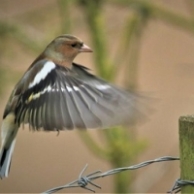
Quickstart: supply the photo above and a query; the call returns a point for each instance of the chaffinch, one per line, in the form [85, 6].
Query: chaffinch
[56, 94]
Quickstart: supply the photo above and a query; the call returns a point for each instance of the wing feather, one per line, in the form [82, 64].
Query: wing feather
[67, 120]
[70, 104]
[68, 99]
[80, 123]
[85, 101]
[57, 113]
[48, 114]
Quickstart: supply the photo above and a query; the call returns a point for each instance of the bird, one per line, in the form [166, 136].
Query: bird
[57, 94]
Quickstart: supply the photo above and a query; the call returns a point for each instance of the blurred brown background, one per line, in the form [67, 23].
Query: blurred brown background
[165, 71]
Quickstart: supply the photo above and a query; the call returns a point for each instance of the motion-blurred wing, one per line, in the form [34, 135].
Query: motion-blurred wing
[67, 99]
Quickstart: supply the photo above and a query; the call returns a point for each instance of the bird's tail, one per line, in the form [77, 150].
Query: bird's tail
[5, 159]
[8, 139]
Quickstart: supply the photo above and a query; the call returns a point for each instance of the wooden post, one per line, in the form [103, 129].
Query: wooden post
[186, 139]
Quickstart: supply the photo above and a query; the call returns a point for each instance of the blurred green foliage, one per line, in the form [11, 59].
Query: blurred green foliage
[121, 147]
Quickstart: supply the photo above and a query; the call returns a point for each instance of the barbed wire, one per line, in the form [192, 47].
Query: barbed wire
[178, 184]
[84, 181]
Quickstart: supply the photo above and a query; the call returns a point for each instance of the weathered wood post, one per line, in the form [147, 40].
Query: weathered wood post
[186, 139]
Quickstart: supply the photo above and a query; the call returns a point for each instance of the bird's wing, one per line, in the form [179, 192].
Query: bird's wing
[60, 98]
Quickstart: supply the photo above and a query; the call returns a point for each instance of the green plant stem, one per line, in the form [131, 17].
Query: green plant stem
[126, 39]
[118, 143]
[64, 11]
[87, 139]
[96, 26]
[12, 30]
[157, 12]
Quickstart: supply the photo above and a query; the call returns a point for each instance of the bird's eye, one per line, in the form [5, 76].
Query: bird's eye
[74, 45]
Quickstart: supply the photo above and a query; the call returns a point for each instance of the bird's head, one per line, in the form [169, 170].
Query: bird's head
[65, 48]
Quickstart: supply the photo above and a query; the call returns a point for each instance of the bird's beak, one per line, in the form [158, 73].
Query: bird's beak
[85, 48]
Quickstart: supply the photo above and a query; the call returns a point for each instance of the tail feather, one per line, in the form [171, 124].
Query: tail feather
[8, 138]
[5, 159]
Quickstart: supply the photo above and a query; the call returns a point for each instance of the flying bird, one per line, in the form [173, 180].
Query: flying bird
[56, 94]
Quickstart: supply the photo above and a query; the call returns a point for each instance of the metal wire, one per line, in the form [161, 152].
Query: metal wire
[84, 181]
[178, 184]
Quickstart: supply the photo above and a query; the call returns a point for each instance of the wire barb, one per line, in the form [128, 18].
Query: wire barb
[83, 181]
[178, 184]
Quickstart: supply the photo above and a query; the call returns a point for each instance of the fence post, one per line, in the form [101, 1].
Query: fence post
[186, 139]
